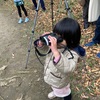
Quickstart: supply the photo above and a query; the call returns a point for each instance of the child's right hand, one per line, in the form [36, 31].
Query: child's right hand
[39, 43]
[45, 33]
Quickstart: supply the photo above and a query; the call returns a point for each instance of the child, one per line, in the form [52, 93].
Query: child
[20, 5]
[42, 4]
[61, 62]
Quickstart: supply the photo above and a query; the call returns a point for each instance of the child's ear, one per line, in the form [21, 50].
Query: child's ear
[64, 42]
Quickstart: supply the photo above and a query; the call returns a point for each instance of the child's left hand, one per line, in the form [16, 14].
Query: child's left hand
[53, 46]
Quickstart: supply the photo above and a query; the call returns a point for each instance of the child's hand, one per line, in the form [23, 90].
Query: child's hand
[45, 33]
[53, 46]
[39, 44]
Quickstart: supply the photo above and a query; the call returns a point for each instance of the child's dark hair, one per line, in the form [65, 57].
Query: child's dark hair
[69, 30]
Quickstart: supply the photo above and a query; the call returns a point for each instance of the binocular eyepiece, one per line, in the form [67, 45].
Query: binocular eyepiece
[46, 41]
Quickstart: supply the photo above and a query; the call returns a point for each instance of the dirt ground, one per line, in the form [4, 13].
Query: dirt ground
[16, 82]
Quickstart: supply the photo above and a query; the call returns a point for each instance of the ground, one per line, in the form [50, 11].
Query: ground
[16, 82]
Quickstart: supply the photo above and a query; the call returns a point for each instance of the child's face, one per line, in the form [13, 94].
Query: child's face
[62, 44]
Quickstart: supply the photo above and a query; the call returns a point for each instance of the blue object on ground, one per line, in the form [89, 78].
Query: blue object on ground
[98, 55]
[90, 44]
[20, 21]
[26, 19]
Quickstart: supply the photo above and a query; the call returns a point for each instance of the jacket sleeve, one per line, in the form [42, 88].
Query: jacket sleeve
[66, 65]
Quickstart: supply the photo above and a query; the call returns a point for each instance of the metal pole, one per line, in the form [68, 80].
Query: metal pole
[69, 12]
[31, 38]
[52, 17]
